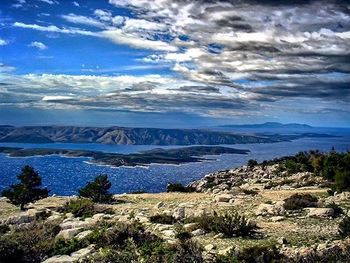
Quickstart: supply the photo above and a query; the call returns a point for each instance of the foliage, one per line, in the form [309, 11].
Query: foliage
[81, 207]
[163, 219]
[252, 163]
[344, 227]
[132, 243]
[229, 223]
[254, 254]
[182, 234]
[177, 187]
[31, 243]
[28, 190]
[336, 208]
[97, 190]
[4, 229]
[299, 201]
[66, 247]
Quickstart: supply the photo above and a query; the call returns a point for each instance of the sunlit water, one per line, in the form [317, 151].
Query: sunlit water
[63, 176]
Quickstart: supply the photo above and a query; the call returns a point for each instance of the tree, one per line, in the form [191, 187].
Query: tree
[97, 190]
[251, 163]
[28, 190]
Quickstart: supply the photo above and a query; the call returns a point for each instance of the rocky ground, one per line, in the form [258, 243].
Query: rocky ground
[258, 193]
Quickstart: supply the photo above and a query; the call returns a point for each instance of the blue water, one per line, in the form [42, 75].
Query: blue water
[63, 176]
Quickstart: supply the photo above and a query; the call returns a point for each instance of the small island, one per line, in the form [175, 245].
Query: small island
[158, 156]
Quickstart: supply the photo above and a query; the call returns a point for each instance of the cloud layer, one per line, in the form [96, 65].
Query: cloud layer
[235, 57]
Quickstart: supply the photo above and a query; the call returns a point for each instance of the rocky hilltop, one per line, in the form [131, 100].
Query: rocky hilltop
[256, 213]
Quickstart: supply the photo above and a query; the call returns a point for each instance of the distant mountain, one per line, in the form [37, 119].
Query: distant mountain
[270, 125]
[122, 135]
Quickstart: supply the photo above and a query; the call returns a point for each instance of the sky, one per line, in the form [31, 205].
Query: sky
[174, 63]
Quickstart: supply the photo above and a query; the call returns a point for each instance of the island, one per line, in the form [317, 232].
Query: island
[157, 156]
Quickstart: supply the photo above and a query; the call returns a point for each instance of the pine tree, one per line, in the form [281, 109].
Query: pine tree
[97, 190]
[28, 190]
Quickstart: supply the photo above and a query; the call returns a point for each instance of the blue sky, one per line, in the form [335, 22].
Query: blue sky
[175, 63]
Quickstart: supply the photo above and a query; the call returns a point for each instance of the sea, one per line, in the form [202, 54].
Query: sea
[65, 175]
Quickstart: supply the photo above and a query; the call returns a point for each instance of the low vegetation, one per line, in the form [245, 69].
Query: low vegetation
[163, 219]
[229, 223]
[177, 187]
[299, 201]
[344, 227]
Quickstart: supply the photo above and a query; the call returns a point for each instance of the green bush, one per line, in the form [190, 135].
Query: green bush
[342, 181]
[344, 227]
[28, 190]
[254, 254]
[163, 219]
[32, 243]
[4, 229]
[299, 201]
[81, 207]
[176, 187]
[252, 163]
[97, 190]
[66, 247]
[229, 223]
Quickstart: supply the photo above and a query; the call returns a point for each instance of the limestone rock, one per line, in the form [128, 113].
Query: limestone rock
[60, 259]
[68, 233]
[223, 198]
[179, 213]
[320, 212]
[198, 232]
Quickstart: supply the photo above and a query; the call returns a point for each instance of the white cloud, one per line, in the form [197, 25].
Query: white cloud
[103, 15]
[3, 42]
[76, 4]
[38, 45]
[50, 2]
[77, 19]
[56, 98]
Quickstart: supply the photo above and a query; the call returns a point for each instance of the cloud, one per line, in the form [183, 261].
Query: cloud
[78, 19]
[50, 2]
[3, 42]
[75, 3]
[38, 45]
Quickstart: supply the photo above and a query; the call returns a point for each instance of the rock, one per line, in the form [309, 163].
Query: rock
[83, 234]
[198, 232]
[21, 218]
[82, 253]
[159, 205]
[179, 213]
[282, 241]
[190, 226]
[53, 218]
[74, 224]
[277, 218]
[209, 247]
[169, 233]
[320, 212]
[68, 233]
[268, 209]
[60, 259]
[225, 198]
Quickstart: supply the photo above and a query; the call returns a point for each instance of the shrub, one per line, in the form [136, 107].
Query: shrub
[97, 190]
[230, 223]
[82, 207]
[344, 227]
[254, 254]
[337, 209]
[176, 187]
[163, 219]
[250, 192]
[32, 243]
[252, 163]
[4, 229]
[182, 234]
[299, 201]
[28, 190]
[342, 181]
[66, 247]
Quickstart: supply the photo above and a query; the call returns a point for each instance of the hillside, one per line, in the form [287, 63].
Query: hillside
[258, 213]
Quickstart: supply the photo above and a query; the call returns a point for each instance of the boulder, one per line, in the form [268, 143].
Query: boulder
[198, 232]
[270, 210]
[223, 198]
[60, 259]
[74, 224]
[320, 212]
[179, 213]
[168, 233]
[209, 247]
[21, 218]
[83, 253]
[69, 233]
[83, 234]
